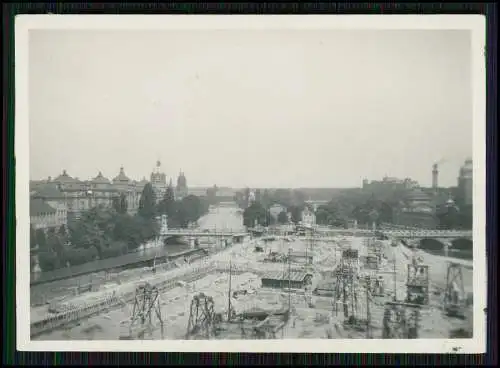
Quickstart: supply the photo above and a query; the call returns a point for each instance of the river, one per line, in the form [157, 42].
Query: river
[219, 218]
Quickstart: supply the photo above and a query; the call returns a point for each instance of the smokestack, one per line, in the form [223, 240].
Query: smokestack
[435, 174]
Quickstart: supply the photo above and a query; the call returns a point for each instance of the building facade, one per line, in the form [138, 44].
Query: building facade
[465, 180]
[388, 187]
[69, 196]
[73, 196]
[44, 216]
[308, 217]
[416, 210]
[159, 182]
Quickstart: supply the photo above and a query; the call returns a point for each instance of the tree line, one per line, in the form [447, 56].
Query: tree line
[257, 212]
[346, 206]
[104, 232]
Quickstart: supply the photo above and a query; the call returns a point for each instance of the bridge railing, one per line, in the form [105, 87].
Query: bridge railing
[199, 232]
[428, 233]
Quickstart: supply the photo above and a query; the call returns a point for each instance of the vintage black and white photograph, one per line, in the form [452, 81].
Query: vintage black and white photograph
[212, 181]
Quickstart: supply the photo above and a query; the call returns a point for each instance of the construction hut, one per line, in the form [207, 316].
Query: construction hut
[325, 288]
[279, 279]
[301, 257]
[238, 238]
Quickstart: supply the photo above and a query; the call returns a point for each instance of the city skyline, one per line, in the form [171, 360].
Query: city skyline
[173, 180]
[394, 103]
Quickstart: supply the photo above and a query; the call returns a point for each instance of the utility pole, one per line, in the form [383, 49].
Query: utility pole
[368, 316]
[395, 277]
[229, 293]
[289, 280]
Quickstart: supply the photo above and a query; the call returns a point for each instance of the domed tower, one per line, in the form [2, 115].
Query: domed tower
[121, 182]
[181, 190]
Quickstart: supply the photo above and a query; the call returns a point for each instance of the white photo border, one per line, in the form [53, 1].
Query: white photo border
[476, 24]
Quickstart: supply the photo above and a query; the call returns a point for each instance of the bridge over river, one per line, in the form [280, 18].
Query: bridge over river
[222, 223]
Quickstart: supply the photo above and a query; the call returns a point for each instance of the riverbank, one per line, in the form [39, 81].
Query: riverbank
[41, 292]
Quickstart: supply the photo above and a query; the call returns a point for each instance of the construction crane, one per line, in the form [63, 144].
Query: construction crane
[202, 317]
[146, 304]
[454, 294]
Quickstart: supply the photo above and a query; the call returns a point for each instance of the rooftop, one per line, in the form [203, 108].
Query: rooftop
[280, 275]
[122, 177]
[417, 194]
[65, 178]
[100, 179]
[39, 207]
[48, 190]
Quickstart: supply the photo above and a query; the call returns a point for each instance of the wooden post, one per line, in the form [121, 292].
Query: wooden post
[229, 296]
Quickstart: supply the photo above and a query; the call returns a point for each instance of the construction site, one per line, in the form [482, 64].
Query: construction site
[277, 287]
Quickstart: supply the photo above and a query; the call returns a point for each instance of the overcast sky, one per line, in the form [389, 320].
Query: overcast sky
[251, 108]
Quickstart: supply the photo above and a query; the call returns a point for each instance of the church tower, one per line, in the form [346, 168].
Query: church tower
[158, 182]
[181, 190]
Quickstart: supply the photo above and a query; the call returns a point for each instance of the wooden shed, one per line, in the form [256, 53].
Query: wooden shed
[279, 279]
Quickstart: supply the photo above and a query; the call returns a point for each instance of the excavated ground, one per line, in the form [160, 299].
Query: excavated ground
[319, 321]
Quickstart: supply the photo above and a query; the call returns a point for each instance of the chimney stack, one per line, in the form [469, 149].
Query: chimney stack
[435, 174]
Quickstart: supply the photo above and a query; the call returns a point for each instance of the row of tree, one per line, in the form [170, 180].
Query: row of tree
[266, 197]
[257, 212]
[183, 212]
[346, 206]
[109, 232]
[453, 217]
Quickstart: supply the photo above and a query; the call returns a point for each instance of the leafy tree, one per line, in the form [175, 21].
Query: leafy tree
[33, 242]
[123, 204]
[167, 204]
[465, 217]
[386, 212]
[114, 249]
[149, 229]
[246, 197]
[298, 198]
[63, 231]
[193, 208]
[127, 230]
[55, 244]
[283, 217]
[147, 202]
[212, 195]
[48, 260]
[374, 216]
[238, 198]
[269, 218]
[258, 196]
[116, 204]
[266, 199]
[448, 217]
[77, 256]
[41, 239]
[323, 215]
[94, 229]
[255, 213]
[32, 264]
[296, 213]
[283, 197]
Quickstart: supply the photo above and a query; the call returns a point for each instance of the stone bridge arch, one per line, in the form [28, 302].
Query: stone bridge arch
[432, 244]
[462, 243]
